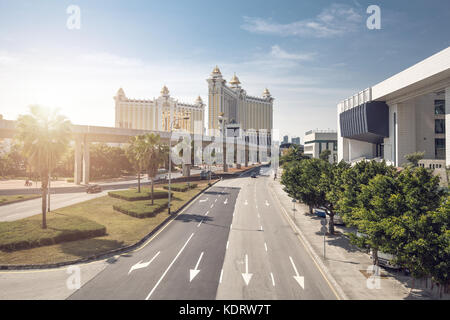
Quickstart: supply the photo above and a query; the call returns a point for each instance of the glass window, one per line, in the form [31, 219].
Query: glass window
[439, 106]
[439, 148]
[439, 126]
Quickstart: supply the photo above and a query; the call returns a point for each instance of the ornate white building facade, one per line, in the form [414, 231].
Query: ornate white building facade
[246, 111]
[157, 114]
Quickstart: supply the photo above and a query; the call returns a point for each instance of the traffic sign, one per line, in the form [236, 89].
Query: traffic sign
[323, 229]
[323, 222]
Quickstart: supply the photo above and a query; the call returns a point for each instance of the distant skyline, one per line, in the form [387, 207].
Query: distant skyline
[310, 54]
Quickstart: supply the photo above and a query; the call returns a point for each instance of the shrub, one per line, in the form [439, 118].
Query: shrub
[180, 187]
[133, 195]
[141, 209]
[28, 233]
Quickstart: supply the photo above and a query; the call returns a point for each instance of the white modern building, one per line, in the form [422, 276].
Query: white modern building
[405, 113]
[316, 141]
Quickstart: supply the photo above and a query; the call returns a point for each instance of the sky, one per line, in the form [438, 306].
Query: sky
[310, 54]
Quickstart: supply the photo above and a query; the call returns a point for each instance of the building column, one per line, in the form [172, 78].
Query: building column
[78, 162]
[447, 126]
[86, 162]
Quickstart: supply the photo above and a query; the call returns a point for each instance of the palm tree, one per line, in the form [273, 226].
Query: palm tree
[154, 156]
[136, 153]
[45, 136]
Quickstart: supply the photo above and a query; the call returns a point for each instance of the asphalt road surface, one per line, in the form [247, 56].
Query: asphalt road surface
[232, 242]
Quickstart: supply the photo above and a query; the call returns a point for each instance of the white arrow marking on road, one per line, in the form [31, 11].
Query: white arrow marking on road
[168, 268]
[140, 265]
[203, 200]
[195, 271]
[247, 276]
[300, 280]
[267, 203]
[226, 201]
[246, 202]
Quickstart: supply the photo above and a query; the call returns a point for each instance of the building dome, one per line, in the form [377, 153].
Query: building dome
[235, 81]
[199, 100]
[266, 92]
[216, 71]
[164, 91]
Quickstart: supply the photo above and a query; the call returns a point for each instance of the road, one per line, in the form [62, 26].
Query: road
[231, 243]
[70, 196]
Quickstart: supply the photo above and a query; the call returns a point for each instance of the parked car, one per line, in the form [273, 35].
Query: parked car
[95, 188]
[253, 175]
[338, 220]
[320, 212]
[385, 260]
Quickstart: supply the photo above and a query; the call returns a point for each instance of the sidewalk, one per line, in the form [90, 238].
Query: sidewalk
[345, 262]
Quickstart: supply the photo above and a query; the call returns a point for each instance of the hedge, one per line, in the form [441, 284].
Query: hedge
[28, 233]
[141, 209]
[133, 195]
[180, 187]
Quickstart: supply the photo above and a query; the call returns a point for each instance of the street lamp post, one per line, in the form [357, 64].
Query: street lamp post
[170, 154]
[223, 121]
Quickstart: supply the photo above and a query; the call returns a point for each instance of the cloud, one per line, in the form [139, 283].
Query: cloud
[335, 20]
[7, 59]
[279, 53]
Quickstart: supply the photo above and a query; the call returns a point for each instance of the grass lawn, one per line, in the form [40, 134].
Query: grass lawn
[18, 197]
[24, 234]
[122, 230]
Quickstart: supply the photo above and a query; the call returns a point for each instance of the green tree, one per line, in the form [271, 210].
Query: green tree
[45, 136]
[379, 205]
[420, 235]
[353, 179]
[414, 158]
[136, 153]
[301, 181]
[154, 156]
[294, 153]
[325, 155]
[331, 186]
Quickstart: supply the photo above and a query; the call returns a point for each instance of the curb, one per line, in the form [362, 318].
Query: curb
[108, 254]
[326, 272]
[21, 200]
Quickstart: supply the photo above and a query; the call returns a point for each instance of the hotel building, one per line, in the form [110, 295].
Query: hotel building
[247, 112]
[157, 114]
[406, 113]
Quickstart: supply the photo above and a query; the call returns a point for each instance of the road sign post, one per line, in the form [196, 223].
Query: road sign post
[293, 209]
[324, 230]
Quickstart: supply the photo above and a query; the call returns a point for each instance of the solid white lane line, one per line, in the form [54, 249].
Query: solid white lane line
[215, 200]
[231, 225]
[293, 265]
[212, 205]
[221, 274]
[206, 213]
[228, 243]
[199, 223]
[168, 268]
[273, 280]
[265, 246]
